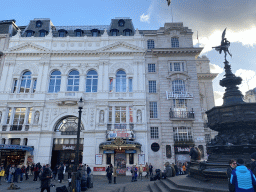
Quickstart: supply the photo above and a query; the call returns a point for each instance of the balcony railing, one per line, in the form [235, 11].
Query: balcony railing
[182, 114]
[16, 128]
[181, 95]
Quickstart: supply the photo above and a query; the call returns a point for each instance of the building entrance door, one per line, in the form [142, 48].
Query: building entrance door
[120, 160]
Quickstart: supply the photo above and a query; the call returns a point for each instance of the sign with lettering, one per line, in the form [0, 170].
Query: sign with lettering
[120, 134]
[180, 149]
[65, 147]
[99, 169]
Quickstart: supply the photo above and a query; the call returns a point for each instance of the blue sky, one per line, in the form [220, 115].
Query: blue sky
[208, 17]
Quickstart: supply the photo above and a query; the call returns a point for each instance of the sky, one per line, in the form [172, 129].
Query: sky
[208, 18]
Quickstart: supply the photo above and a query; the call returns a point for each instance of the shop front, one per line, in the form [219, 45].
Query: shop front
[121, 153]
[181, 154]
[15, 154]
[65, 153]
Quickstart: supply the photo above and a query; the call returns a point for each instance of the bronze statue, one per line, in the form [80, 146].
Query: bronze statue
[224, 45]
[169, 2]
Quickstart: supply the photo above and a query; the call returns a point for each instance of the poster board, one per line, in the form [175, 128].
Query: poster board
[98, 159]
[141, 159]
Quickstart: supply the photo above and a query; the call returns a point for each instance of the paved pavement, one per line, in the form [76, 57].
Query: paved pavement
[100, 185]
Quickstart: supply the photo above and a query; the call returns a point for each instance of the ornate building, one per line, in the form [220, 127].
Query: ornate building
[250, 96]
[144, 94]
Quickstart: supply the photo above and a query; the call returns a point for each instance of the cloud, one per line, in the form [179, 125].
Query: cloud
[145, 18]
[210, 18]
[218, 95]
[216, 69]
[249, 79]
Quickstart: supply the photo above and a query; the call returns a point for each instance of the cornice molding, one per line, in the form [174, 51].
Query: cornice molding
[169, 51]
[207, 76]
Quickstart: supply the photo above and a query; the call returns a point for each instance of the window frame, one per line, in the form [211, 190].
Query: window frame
[73, 78]
[151, 67]
[152, 86]
[182, 134]
[121, 81]
[175, 65]
[55, 79]
[175, 42]
[154, 133]
[26, 79]
[153, 110]
[150, 44]
[91, 77]
[180, 87]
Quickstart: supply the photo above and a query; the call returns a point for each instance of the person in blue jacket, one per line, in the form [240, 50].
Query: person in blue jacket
[242, 178]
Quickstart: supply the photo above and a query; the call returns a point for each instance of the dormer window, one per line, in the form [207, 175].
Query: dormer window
[175, 42]
[39, 24]
[62, 33]
[42, 33]
[78, 33]
[121, 23]
[114, 32]
[95, 32]
[30, 33]
[127, 32]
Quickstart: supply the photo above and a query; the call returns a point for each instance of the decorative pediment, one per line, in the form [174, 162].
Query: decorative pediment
[28, 47]
[121, 47]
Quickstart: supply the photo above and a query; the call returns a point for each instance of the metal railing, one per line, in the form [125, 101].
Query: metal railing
[15, 127]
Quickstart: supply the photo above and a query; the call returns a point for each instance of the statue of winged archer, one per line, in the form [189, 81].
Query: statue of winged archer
[224, 45]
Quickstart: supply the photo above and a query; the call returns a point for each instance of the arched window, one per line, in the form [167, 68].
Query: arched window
[178, 86]
[91, 81]
[68, 126]
[151, 44]
[121, 81]
[25, 82]
[175, 42]
[55, 81]
[73, 81]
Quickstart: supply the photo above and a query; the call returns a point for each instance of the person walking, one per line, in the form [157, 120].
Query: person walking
[79, 175]
[140, 172]
[109, 173]
[27, 171]
[242, 178]
[88, 170]
[11, 173]
[36, 172]
[60, 173]
[114, 174]
[46, 179]
[232, 166]
[2, 171]
[23, 171]
[69, 170]
[147, 170]
[150, 169]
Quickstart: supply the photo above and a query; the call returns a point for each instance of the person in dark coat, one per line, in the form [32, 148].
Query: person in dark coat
[232, 166]
[79, 175]
[109, 173]
[193, 154]
[46, 179]
[150, 169]
[60, 173]
[69, 170]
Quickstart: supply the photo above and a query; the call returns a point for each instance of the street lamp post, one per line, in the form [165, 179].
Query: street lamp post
[80, 107]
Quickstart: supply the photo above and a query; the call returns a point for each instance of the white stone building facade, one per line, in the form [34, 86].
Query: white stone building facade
[48, 68]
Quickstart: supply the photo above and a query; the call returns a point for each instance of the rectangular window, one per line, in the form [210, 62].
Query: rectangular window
[152, 86]
[111, 85]
[9, 116]
[130, 85]
[42, 34]
[110, 114]
[34, 86]
[131, 158]
[61, 34]
[179, 103]
[182, 134]
[78, 34]
[153, 109]
[30, 115]
[176, 66]
[170, 66]
[151, 68]
[120, 115]
[130, 115]
[29, 34]
[154, 132]
[19, 116]
[108, 158]
[14, 87]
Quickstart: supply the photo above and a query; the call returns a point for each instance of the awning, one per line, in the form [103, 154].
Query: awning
[17, 147]
[120, 143]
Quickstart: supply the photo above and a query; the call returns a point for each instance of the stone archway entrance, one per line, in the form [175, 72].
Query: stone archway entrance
[64, 142]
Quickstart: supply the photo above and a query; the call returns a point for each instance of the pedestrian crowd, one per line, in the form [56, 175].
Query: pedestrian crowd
[42, 173]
